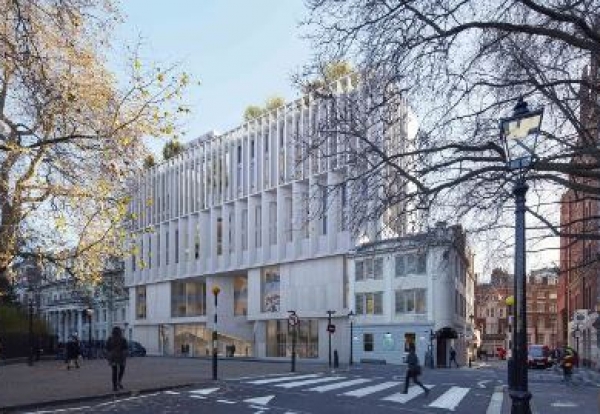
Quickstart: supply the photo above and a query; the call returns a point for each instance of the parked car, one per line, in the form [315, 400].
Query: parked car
[539, 357]
[136, 349]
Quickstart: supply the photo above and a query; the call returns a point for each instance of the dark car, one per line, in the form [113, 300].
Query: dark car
[136, 349]
[539, 356]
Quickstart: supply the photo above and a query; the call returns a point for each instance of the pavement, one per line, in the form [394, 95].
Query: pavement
[49, 383]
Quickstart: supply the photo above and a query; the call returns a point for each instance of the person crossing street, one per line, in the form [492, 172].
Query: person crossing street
[413, 371]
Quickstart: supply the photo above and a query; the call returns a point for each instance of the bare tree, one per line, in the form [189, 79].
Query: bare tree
[459, 66]
[71, 133]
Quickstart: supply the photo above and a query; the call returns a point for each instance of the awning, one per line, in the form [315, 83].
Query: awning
[447, 333]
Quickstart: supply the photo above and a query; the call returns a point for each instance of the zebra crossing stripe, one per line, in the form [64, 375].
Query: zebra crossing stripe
[308, 382]
[281, 379]
[450, 399]
[343, 384]
[404, 398]
[361, 392]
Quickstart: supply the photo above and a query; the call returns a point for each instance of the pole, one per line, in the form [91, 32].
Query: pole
[351, 342]
[215, 291]
[519, 393]
[329, 313]
[89, 333]
[294, 348]
[30, 359]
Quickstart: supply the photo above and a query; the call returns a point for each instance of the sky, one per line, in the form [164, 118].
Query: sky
[241, 51]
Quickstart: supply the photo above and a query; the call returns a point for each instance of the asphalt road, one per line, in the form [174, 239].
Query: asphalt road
[366, 389]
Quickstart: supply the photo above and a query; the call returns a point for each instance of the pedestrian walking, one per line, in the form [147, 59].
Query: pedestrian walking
[413, 371]
[116, 353]
[453, 357]
[72, 352]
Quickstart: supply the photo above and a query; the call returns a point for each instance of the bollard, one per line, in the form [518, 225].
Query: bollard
[336, 360]
[469, 362]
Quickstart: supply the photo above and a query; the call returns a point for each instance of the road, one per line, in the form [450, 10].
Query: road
[366, 389]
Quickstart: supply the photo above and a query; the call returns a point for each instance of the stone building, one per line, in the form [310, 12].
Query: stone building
[494, 316]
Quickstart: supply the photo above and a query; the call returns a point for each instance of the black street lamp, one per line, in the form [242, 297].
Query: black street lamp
[293, 322]
[330, 331]
[519, 135]
[30, 359]
[215, 290]
[90, 313]
[577, 334]
[351, 316]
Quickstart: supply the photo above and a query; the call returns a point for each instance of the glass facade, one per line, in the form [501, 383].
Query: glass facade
[188, 298]
[240, 296]
[279, 338]
[140, 302]
[195, 339]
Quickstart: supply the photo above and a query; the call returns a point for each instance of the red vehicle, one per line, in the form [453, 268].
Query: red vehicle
[539, 357]
[501, 353]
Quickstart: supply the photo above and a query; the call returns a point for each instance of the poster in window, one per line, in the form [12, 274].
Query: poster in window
[271, 291]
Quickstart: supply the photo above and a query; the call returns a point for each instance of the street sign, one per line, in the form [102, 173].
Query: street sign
[293, 320]
[331, 328]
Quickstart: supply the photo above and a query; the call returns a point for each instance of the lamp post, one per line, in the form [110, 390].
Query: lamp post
[577, 334]
[472, 330]
[215, 290]
[90, 313]
[293, 322]
[351, 316]
[519, 135]
[330, 331]
[30, 359]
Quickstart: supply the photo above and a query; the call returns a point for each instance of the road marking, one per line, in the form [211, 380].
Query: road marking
[564, 404]
[308, 382]
[199, 397]
[260, 400]
[481, 384]
[495, 406]
[226, 402]
[404, 398]
[450, 399]
[343, 384]
[172, 392]
[361, 392]
[203, 391]
[282, 379]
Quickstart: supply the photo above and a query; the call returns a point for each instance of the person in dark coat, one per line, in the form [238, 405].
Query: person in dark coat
[72, 352]
[413, 371]
[116, 353]
[453, 357]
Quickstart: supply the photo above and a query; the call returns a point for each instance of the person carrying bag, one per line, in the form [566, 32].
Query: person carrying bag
[413, 371]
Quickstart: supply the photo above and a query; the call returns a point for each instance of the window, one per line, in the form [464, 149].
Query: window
[411, 263]
[188, 298]
[176, 246]
[158, 253]
[240, 296]
[140, 303]
[378, 270]
[219, 236]
[359, 271]
[272, 223]
[324, 212]
[167, 249]
[411, 301]
[288, 209]
[369, 269]
[409, 341]
[270, 290]
[368, 342]
[257, 226]
[230, 229]
[245, 229]
[370, 303]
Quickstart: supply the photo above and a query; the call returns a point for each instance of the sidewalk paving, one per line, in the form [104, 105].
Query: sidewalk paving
[49, 382]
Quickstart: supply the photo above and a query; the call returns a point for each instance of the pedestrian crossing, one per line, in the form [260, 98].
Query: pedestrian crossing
[445, 397]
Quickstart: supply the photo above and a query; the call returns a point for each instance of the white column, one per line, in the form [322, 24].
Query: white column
[79, 323]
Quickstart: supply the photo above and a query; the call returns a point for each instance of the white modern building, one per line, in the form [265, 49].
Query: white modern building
[412, 290]
[250, 211]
